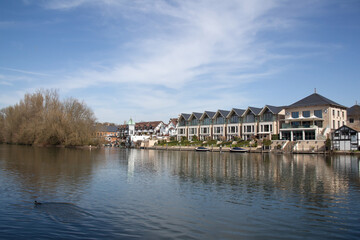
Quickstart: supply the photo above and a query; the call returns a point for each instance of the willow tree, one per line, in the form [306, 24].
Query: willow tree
[42, 118]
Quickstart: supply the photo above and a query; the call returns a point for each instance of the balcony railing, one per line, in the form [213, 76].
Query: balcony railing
[285, 126]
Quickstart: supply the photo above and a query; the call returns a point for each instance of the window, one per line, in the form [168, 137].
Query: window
[343, 114]
[338, 124]
[318, 113]
[338, 113]
[295, 114]
[351, 120]
[250, 118]
[234, 119]
[333, 112]
[268, 116]
[333, 123]
[306, 114]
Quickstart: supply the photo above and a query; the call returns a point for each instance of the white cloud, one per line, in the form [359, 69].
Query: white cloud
[206, 44]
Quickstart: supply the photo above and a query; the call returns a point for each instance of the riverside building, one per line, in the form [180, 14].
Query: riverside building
[311, 118]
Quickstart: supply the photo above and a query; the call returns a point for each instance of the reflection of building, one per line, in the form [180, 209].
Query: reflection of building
[346, 138]
[312, 118]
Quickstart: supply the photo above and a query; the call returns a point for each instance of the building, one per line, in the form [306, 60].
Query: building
[219, 124]
[182, 126]
[206, 122]
[250, 123]
[312, 118]
[353, 116]
[269, 121]
[194, 125]
[346, 139]
[108, 132]
[170, 128]
[234, 123]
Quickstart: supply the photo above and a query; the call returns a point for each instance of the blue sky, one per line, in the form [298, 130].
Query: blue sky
[151, 60]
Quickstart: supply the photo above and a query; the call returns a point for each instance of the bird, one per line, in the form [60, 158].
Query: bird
[37, 203]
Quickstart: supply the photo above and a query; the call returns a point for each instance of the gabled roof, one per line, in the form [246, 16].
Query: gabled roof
[273, 109]
[314, 99]
[254, 110]
[354, 110]
[237, 111]
[223, 113]
[197, 115]
[208, 113]
[185, 116]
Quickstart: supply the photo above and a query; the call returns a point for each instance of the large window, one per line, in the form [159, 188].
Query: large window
[233, 129]
[250, 118]
[206, 121]
[306, 114]
[309, 135]
[267, 117]
[194, 122]
[295, 114]
[234, 119]
[219, 120]
[218, 130]
[351, 120]
[318, 113]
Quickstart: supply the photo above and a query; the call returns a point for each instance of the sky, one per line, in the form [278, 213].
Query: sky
[152, 60]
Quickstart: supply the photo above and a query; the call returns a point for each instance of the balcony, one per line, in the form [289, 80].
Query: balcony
[288, 126]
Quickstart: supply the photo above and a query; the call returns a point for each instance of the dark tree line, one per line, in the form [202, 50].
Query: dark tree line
[42, 118]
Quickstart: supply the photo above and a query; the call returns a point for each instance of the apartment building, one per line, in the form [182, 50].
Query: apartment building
[312, 118]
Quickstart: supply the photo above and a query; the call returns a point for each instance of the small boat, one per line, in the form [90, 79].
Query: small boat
[238, 149]
[202, 149]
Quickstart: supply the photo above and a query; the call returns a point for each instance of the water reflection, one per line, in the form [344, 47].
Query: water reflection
[173, 194]
[315, 177]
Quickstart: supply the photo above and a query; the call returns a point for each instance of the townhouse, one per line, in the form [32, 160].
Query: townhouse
[311, 118]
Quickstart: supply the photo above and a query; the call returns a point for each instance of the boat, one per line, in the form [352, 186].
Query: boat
[238, 149]
[202, 149]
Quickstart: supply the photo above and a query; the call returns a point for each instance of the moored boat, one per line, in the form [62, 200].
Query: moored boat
[202, 149]
[238, 149]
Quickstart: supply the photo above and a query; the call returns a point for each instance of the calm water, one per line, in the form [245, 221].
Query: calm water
[123, 194]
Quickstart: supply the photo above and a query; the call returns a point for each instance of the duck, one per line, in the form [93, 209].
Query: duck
[37, 203]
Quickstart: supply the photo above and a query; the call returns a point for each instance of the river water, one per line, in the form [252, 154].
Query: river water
[114, 193]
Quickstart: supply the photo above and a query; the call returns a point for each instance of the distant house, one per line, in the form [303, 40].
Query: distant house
[353, 116]
[234, 123]
[346, 139]
[108, 132]
[170, 128]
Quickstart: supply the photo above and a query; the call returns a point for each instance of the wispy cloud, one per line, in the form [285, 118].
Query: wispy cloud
[26, 72]
[209, 46]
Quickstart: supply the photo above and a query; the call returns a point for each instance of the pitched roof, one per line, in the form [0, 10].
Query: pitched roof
[354, 110]
[185, 115]
[108, 128]
[273, 109]
[238, 111]
[223, 113]
[314, 99]
[255, 110]
[197, 115]
[210, 114]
